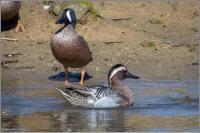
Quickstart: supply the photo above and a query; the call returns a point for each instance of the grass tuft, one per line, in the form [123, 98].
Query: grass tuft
[151, 44]
[90, 5]
[156, 21]
[63, 6]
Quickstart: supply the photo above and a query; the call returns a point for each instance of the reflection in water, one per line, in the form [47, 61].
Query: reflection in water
[90, 120]
[159, 106]
[16, 104]
[9, 123]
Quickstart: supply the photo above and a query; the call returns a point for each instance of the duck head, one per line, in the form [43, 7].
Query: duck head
[68, 17]
[117, 73]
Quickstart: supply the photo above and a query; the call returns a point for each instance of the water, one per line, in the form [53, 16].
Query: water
[167, 105]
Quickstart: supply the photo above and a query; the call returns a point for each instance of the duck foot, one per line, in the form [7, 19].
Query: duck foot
[19, 27]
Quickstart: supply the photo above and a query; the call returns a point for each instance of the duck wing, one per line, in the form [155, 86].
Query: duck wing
[94, 91]
[76, 99]
[99, 91]
[84, 91]
[84, 48]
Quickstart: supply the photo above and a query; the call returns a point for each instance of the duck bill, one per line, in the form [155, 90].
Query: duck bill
[129, 75]
[60, 21]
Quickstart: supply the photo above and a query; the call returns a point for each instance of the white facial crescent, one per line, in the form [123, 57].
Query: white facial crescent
[116, 71]
[69, 16]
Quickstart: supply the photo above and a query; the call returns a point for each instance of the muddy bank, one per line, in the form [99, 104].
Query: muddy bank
[153, 39]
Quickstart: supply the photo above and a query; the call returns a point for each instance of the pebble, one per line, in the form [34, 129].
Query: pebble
[39, 42]
[46, 7]
[54, 68]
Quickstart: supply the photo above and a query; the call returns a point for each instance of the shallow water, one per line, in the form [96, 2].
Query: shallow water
[34, 105]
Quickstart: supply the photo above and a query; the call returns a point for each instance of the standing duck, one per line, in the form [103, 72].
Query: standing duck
[92, 96]
[9, 10]
[69, 48]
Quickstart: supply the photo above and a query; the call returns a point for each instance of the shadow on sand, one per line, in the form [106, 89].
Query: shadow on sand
[72, 77]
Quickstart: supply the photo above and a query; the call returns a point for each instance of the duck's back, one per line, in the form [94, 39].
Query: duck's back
[9, 9]
[69, 48]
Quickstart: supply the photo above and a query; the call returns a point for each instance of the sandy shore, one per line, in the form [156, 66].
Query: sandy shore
[155, 40]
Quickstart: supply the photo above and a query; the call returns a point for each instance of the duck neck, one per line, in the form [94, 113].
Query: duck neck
[123, 91]
[67, 28]
[116, 84]
[73, 25]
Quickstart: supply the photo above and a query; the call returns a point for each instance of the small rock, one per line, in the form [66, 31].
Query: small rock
[168, 15]
[46, 7]
[12, 55]
[41, 58]
[39, 42]
[55, 8]
[4, 65]
[195, 63]
[195, 29]
[143, 5]
[54, 68]
[196, 37]
[106, 59]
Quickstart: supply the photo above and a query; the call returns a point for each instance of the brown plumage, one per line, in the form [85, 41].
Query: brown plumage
[9, 10]
[69, 48]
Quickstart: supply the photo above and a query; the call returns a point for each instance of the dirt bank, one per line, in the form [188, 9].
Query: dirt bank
[155, 40]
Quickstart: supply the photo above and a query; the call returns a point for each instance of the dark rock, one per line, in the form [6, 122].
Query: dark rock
[54, 68]
[10, 61]
[80, 10]
[195, 63]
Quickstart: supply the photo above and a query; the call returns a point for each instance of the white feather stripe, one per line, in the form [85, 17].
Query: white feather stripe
[116, 71]
[69, 16]
[63, 93]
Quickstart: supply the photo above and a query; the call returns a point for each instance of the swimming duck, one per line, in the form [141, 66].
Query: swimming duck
[69, 48]
[91, 95]
[9, 10]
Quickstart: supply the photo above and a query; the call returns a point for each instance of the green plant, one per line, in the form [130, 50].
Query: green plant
[63, 6]
[151, 44]
[90, 5]
[157, 21]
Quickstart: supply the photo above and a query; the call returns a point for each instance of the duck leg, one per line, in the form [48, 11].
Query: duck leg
[82, 75]
[19, 27]
[66, 76]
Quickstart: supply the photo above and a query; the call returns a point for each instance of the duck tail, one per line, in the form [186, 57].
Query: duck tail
[65, 95]
[74, 98]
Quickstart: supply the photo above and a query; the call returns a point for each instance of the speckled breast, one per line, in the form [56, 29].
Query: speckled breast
[9, 9]
[69, 50]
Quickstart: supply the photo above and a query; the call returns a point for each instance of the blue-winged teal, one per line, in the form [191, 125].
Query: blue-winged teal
[68, 47]
[10, 9]
[88, 96]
